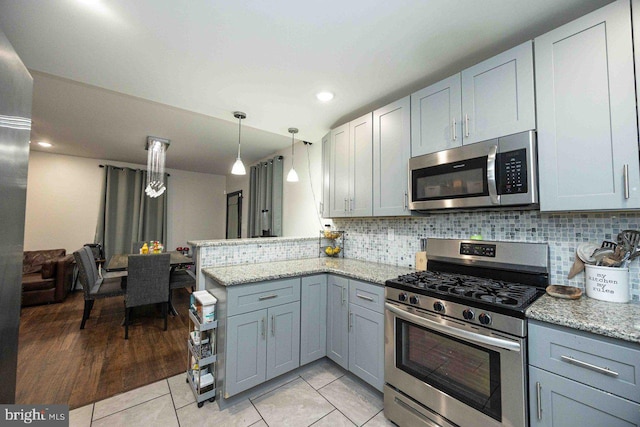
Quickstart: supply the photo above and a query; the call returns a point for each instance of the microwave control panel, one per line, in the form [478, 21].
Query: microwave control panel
[478, 249]
[512, 172]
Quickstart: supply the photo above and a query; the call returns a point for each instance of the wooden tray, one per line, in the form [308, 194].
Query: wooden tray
[566, 292]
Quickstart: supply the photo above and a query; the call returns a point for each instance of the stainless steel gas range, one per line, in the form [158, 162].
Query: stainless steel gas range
[455, 335]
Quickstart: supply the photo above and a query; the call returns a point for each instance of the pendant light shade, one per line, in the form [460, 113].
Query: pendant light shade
[157, 148]
[292, 176]
[238, 166]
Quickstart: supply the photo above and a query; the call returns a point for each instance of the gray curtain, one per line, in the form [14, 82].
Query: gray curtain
[127, 214]
[265, 198]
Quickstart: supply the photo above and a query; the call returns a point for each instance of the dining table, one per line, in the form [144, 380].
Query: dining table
[120, 263]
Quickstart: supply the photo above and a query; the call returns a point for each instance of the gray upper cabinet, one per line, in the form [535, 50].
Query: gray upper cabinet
[498, 96]
[350, 175]
[391, 152]
[586, 109]
[326, 176]
[283, 344]
[436, 117]
[337, 320]
[313, 318]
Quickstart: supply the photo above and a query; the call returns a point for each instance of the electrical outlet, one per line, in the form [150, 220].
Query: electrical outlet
[390, 234]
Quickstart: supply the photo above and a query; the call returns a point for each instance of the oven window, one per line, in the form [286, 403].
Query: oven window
[465, 371]
[462, 179]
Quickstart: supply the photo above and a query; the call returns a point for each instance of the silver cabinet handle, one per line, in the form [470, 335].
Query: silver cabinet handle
[343, 298]
[350, 320]
[605, 371]
[262, 327]
[273, 325]
[351, 205]
[406, 200]
[453, 130]
[364, 297]
[466, 126]
[262, 298]
[625, 172]
[539, 399]
[491, 175]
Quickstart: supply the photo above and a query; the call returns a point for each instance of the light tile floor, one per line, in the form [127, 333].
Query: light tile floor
[323, 394]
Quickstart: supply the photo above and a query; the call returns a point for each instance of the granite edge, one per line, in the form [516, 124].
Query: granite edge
[240, 242]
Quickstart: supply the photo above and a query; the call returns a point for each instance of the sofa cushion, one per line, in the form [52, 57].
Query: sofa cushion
[32, 260]
[35, 282]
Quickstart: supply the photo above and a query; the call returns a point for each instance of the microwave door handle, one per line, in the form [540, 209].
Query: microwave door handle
[491, 175]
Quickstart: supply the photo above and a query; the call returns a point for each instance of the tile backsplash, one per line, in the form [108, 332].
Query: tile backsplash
[371, 239]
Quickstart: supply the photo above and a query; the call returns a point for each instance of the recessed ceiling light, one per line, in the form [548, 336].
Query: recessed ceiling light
[44, 144]
[324, 96]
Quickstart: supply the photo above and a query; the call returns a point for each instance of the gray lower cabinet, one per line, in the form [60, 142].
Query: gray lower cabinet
[366, 345]
[558, 401]
[313, 318]
[283, 341]
[586, 111]
[338, 320]
[582, 379]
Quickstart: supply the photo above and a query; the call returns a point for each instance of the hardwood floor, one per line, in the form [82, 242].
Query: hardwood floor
[58, 363]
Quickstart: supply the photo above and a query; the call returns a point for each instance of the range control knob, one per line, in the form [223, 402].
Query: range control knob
[413, 299]
[403, 296]
[484, 319]
[468, 314]
[438, 306]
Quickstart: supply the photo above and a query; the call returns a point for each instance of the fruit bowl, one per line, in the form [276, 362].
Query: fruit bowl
[332, 251]
[332, 235]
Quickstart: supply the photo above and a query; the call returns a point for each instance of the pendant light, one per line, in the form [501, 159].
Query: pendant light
[292, 176]
[157, 148]
[238, 166]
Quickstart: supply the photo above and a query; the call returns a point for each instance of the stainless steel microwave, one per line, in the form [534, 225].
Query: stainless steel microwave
[494, 173]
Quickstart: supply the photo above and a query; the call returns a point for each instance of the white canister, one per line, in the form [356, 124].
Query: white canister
[607, 283]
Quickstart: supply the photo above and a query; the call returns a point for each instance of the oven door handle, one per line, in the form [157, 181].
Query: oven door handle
[458, 333]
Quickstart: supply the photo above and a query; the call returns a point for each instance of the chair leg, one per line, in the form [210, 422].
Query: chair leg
[88, 305]
[165, 310]
[127, 314]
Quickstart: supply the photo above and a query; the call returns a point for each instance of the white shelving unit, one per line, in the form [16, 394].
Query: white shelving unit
[202, 358]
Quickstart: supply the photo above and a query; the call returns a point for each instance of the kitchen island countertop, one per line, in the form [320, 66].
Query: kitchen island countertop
[355, 269]
[615, 320]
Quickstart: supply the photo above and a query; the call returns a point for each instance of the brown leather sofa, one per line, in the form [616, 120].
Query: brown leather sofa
[47, 276]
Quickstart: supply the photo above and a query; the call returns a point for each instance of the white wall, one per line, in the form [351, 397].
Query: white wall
[299, 209]
[63, 200]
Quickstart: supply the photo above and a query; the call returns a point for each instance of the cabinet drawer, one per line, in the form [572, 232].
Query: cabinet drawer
[596, 361]
[257, 296]
[366, 295]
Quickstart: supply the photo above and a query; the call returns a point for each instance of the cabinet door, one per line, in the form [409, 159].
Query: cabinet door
[339, 171]
[391, 152]
[337, 320]
[326, 175]
[498, 97]
[366, 345]
[435, 117]
[360, 172]
[558, 401]
[587, 128]
[313, 318]
[246, 355]
[283, 343]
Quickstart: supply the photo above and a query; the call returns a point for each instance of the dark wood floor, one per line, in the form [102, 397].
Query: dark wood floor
[60, 364]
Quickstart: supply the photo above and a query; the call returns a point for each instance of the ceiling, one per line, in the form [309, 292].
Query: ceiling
[107, 73]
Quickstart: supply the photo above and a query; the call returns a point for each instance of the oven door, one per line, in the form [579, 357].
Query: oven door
[458, 178]
[465, 374]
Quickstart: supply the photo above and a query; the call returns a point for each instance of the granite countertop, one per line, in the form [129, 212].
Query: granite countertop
[248, 273]
[610, 319]
[252, 241]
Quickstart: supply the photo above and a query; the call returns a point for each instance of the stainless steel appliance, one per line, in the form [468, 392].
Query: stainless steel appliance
[493, 173]
[455, 335]
[15, 125]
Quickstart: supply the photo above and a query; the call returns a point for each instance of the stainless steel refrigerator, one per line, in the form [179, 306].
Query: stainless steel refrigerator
[16, 87]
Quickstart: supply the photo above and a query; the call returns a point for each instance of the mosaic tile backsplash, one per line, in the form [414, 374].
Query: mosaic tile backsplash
[368, 238]
[257, 251]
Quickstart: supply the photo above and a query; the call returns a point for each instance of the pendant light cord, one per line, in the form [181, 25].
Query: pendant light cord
[239, 134]
[313, 193]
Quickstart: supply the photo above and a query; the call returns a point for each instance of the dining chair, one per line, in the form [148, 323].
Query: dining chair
[94, 286]
[147, 283]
